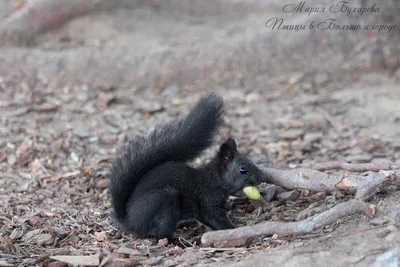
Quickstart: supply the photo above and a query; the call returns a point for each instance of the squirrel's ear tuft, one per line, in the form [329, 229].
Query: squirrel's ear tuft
[231, 143]
[227, 150]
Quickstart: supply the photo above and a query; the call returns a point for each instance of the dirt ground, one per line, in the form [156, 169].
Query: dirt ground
[57, 143]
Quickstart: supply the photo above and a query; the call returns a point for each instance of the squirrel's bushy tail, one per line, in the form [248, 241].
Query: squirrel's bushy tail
[183, 140]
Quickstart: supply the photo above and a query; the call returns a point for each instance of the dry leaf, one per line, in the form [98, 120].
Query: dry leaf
[16, 234]
[100, 236]
[35, 165]
[101, 184]
[87, 172]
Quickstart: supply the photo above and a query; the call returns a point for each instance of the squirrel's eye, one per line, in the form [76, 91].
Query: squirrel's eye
[243, 170]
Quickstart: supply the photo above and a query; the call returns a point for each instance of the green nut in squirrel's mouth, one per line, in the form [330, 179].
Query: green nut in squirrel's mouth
[251, 192]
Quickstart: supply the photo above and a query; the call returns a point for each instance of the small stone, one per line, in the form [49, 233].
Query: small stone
[290, 195]
[291, 134]
[321, 79]
[242, 112]
[60, 232]
[315, 121]
[163, 242]
[234, 95]
[313, 137]
[306, 86]
[299, 244]
[84, 237]
[82, 96]
[192, 256]
[29, 235]
[102, 184]
[93, 139]
[379, 221]
[3, 141]
[74, 157]
[81, 130]
[150, 108]
[252, 97]
[43, 79]
[42, 239]
[170, 92]
[296, 77]
[11, 159]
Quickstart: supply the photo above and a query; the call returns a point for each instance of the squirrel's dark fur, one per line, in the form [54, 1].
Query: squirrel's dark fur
[153, 189]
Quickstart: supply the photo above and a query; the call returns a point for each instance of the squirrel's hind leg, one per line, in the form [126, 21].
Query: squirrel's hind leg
[155, 214]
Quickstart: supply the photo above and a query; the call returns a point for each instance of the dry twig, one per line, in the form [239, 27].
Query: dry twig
[239, 236]
[354, 167]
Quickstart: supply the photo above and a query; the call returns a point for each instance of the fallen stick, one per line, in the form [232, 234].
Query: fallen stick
[375, 166]
[365, 185]
[301, 179]
[240, 236]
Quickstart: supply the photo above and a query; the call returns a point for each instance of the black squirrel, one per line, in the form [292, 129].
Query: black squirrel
[153, 189]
